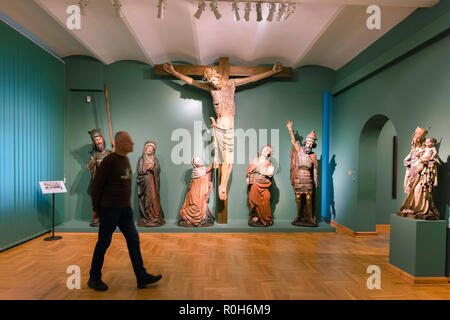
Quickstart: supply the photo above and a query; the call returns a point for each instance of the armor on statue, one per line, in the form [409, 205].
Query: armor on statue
[99, 152]
[304, 177]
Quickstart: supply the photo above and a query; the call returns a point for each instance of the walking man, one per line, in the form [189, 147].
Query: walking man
[110, 194]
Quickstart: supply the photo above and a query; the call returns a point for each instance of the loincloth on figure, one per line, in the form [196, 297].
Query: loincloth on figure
[224, 141]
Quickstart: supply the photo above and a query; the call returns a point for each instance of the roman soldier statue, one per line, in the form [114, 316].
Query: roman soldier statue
[98, 153]
[304, 177]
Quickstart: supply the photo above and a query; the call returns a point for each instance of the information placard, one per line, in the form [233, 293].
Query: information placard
[52, 187]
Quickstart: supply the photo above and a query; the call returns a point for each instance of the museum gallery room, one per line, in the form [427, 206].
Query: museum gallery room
[225, 150]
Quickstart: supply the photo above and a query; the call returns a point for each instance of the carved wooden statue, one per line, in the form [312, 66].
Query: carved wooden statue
[222, 91]
[304, 177]
[148, 185]
[420, 178]
[99, 152]
[259, 178]
[195, 211]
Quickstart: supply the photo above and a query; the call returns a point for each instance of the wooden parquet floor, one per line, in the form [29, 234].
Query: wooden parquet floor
[213, 266]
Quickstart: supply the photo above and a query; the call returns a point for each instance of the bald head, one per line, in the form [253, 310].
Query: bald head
[123, 142]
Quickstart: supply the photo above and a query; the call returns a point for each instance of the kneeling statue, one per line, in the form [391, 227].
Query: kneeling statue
[195, 211]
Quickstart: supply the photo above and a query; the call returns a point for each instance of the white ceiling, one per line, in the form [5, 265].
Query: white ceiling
[320, 32]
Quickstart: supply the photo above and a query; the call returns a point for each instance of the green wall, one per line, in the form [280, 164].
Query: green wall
[32, 136]
[385, 205]
[413, 92]
[151, 107]
[405, 77]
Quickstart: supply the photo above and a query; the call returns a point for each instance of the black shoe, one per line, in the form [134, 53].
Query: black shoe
[148, 279]
[97, 285]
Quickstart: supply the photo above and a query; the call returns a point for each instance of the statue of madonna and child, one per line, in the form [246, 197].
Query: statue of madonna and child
[420, 178]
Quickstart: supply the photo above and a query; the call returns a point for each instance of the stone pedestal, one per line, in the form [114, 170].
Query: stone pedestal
[417, 249]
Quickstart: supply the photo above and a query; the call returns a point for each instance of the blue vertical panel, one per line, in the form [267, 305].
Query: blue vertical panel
[32, 124]
[326, 108]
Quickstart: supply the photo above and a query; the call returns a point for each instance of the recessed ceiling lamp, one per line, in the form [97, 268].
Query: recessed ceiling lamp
[290, 10]
[213, 7]
[83, 5]
[201, 8]
[248, 7]
[236, 10]
[281, 11]
[118, 5]
[272, 8]
[258, 11]
[161, 6]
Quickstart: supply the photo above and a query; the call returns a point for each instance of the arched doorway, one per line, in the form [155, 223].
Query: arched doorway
[375, 201]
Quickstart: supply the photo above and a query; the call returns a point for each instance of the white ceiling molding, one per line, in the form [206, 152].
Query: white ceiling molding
[42, 5]
[384, 3]
[329, 33]
[102, 32]
[347, 36]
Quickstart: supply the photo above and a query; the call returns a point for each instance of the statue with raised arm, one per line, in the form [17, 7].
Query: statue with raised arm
[222, 92]
[98, 153]
[304, 177]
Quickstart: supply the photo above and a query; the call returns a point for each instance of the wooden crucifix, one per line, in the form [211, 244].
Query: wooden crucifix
[222, 89]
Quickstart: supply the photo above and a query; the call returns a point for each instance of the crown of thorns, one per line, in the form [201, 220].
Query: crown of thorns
[209, 73]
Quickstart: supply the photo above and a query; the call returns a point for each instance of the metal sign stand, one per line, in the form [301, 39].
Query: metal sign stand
[53, 237]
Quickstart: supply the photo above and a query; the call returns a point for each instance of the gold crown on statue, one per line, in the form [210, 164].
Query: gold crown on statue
[420, 131]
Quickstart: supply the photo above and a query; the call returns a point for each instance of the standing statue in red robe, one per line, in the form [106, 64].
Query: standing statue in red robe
[259, 178]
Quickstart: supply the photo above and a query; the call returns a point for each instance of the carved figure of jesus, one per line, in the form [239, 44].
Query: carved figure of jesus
[222, 91]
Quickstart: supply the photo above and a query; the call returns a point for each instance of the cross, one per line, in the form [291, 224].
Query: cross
[225, 70]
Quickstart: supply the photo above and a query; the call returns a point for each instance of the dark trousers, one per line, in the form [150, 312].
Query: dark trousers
[110, 218]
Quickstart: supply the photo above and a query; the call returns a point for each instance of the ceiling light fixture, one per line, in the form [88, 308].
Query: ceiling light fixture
[248, 8]
[83, 5]
[201, 8]
[272, 9]
[118, 5]
[161, 6]
[281, 11]
[236, 10]
[213, 6]
[258, 11]
[290, 10]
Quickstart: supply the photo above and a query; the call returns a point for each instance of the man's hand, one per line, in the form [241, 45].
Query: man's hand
[213, 122]
[277, 67]
[168, 67]
[289, 125]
